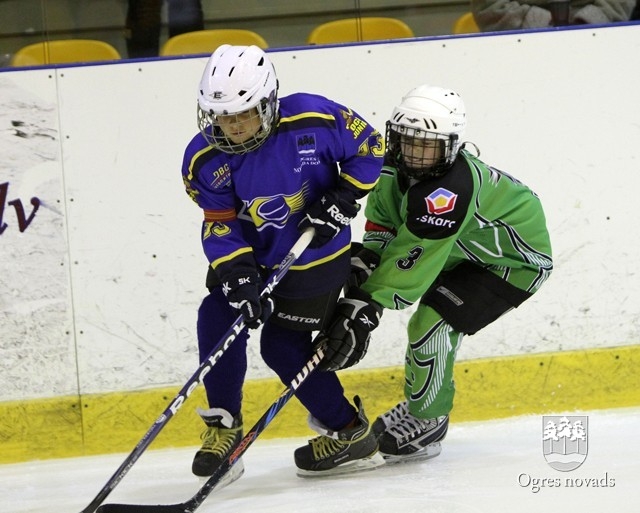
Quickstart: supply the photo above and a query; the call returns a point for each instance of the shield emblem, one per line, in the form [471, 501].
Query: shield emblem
[565, 441]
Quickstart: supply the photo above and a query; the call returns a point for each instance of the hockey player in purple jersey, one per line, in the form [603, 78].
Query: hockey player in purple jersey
[262, 168]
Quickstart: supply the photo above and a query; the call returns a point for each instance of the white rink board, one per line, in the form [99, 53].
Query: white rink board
[37, 353]
[556, 109]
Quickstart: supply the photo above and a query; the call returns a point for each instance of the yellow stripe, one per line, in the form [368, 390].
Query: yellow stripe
[486, 389]
[301, 267]
[304, 115]
[231, 256]
[320, 261]
[194, 158]
[357, 183]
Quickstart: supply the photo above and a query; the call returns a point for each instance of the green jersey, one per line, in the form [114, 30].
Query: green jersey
[473, 212]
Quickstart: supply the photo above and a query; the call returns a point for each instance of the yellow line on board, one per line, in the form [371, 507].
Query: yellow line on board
[486, 389]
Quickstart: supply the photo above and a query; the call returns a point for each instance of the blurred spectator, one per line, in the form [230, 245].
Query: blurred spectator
[635, 15]
[144, 22]
[491, 15]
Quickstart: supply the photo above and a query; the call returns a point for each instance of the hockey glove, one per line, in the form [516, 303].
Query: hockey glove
[330, 214]
[356, 316]
[243, 293]
[363, 263]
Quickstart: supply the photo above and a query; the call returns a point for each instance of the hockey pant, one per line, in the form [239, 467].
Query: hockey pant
[461, 301]
[283, 349]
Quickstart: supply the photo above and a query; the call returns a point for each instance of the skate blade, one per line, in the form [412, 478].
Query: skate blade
[232, 475]
[363, 464]
[426, 453]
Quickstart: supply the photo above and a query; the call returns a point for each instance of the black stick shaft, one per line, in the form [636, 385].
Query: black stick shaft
[192, 504]
[231, 334]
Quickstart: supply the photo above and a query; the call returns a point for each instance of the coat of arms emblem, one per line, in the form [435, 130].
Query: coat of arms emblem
[565, 441]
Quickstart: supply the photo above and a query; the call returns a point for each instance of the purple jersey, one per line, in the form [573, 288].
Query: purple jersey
[253, 202]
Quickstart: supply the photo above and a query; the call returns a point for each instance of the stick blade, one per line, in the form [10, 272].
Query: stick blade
[143, 508]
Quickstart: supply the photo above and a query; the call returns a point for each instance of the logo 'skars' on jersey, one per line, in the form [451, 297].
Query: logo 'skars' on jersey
[441, 201]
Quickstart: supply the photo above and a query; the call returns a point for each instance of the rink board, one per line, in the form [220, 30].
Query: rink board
[99, 290]
[486, 389]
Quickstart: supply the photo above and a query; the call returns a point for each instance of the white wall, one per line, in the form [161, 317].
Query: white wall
[100, 292]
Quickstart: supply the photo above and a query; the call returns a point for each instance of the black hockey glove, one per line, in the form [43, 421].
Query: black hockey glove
[243, 293]
[356, 316]
[363, 263]
[330, 214]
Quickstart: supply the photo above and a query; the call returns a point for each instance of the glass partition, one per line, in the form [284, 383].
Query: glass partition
[139, 28]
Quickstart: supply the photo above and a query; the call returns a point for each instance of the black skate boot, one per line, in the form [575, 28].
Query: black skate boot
[339, 452]
[404, 437]
[389, 418]
[221, 436]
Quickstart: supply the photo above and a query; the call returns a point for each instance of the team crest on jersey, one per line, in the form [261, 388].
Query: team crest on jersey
[306, 144]
[441, 201]
[306, 151]
[274, 210]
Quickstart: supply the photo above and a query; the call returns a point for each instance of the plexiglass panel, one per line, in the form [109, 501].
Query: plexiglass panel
[139, 28]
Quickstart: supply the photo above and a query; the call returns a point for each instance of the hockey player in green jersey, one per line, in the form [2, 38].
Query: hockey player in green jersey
[464, 240]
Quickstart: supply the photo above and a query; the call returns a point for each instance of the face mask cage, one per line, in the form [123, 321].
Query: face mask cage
[263, 118]
[420, 154]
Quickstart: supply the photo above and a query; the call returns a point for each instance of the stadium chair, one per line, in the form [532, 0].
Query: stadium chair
[206, 41]
[350, 30]
[465, 24]
[64, 51]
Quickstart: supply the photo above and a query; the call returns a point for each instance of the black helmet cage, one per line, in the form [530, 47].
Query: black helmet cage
[407, 153]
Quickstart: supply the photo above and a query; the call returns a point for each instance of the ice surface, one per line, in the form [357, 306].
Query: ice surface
[484, 467]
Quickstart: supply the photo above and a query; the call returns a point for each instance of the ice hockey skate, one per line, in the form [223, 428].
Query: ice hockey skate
[220, 437]
[403, 437]
[389, 418]
[333, 453]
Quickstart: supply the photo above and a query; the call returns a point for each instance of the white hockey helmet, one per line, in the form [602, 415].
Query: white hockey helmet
[236, 80]
[426, 113]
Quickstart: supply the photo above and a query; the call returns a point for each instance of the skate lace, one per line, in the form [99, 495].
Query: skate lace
[324, 447]
[217, 440]
[409, 427]
[395, 414]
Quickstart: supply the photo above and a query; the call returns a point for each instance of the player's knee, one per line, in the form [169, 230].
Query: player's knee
[423, 320]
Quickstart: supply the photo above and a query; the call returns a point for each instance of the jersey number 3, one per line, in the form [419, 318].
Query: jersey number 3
[405, 264]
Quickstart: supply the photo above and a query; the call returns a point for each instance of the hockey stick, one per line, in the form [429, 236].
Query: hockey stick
[194, 502]
[206, 365]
